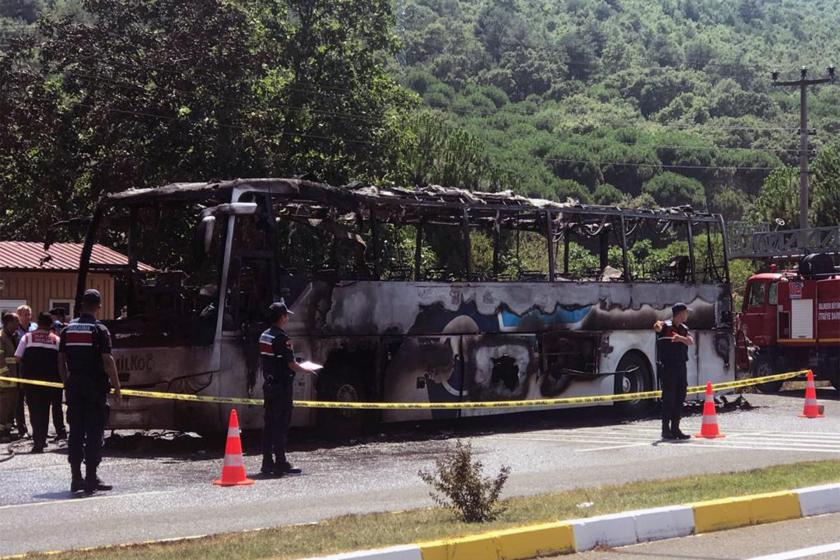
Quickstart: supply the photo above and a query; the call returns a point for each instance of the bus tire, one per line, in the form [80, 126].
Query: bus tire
[341, 383]
[766, 364]
[638, 380]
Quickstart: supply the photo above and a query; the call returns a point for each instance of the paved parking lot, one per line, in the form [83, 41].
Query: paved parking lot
[163, 486]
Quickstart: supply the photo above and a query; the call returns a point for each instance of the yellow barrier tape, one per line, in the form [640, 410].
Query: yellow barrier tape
[594, 399]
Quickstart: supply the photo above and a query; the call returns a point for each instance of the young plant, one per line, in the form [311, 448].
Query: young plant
[459, 485]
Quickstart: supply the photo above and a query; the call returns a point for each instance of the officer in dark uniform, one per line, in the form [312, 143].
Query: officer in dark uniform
[279, 368]
[672, 342]
[86, 366]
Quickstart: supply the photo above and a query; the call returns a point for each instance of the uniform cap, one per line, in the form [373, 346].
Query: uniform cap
[45, 320]
[677, 307]
[277, 310]
[60, 311]
[92, 296]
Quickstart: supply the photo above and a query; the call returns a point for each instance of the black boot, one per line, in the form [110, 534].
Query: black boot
[78, 483]
[101, 486]
[91, 481]
[678, 434]
[666, 430]
[269, 468]
[285, 466]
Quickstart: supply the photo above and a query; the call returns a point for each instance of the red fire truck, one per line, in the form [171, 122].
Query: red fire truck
[791, 320]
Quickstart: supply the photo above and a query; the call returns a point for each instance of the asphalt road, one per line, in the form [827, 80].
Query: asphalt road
[814, 537]
[163, 486]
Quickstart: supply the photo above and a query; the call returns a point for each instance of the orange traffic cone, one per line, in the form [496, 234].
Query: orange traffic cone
[233, 470]
[812, 409]
[709, 429]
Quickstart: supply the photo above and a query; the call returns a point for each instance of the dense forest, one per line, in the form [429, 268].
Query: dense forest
[667, 102]
[627, 102]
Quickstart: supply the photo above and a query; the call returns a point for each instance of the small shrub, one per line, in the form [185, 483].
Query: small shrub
[459, 485]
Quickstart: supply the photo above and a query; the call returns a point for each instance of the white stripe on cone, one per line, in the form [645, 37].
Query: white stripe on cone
[234, 461]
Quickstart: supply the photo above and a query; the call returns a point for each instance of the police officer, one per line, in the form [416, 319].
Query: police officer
[9, 391]
[38, 354]
[86, 365]
[672, 342]
[279, 368]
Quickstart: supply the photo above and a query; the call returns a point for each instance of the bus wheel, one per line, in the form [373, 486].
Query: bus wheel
[636, 379]
[764, 364]
[342, 385]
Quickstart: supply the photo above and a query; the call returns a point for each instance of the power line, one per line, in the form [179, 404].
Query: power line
[170, 118]
[373, 119]
[351, 117]
[663, 165]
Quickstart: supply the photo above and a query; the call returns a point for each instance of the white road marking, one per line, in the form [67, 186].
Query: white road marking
[78, 499]
[611, 447]
[624, 437]
[801, 553]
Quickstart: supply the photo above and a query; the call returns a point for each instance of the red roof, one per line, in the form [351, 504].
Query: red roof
[30, 255]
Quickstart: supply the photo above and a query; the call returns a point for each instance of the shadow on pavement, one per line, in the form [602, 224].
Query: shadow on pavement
[192, 447]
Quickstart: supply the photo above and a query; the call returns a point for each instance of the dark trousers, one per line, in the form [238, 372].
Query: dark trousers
[57, 412]
[87, 416]
[20, 413]
[674, 379]
[278, 417]
[38, 399]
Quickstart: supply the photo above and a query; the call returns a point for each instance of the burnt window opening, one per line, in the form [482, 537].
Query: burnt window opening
[169, 291]
[303, 231]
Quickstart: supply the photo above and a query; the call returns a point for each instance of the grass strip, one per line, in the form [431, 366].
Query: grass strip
[355, 532]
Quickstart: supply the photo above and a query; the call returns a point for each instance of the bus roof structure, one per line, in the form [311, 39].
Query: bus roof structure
[431, 204]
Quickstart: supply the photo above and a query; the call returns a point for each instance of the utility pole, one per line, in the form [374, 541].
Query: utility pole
[802, 83]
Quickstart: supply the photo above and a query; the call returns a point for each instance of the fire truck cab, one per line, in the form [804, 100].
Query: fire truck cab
[791, 320]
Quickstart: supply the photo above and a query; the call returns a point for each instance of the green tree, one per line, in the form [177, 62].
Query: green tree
[826, 187]
[672, 189]
[732, 204]
[125, 99]
[500, 27]
[436, 152]
[608, 195]
[778, 201]
[698, 53]
[579, 50]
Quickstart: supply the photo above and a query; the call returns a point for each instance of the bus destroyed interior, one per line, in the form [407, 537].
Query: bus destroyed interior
[431, 293]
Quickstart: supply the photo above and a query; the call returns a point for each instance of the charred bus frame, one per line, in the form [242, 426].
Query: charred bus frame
[361, 215]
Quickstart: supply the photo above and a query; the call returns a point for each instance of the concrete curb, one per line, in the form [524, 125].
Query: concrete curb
[618, 529]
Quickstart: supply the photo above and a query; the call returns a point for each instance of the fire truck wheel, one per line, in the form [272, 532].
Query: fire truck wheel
[637, 379]
[341, 384]
[767, 365]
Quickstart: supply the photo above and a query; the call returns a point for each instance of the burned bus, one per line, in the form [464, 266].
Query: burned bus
[427, 294]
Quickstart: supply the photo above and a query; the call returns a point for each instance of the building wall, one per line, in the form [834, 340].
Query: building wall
[37, 288]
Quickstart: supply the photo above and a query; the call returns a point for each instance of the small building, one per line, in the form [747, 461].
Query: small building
[47, 279]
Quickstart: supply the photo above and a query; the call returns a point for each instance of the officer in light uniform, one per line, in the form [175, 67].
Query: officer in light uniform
[86, 366]
[37, 353]
[279, 369]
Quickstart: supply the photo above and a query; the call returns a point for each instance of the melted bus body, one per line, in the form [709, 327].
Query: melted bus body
[404, 295]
